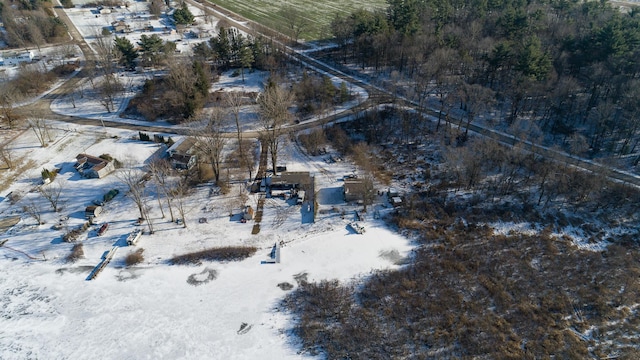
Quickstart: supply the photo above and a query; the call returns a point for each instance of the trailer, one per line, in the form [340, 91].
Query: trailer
[106, 259]
[133, 237]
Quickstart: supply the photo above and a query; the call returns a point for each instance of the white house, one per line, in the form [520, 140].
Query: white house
[182, 154]
[93, 167]
[17, 58]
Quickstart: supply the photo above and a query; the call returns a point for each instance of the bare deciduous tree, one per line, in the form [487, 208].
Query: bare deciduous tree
[296, 21]
[6, 154]
[131, 178]
[210, 141]
[51, 192]
[34, 211]
[8, 98]
[234, 101]
[179, 193]
[41, 128]
[368, 190]
[274, 115]
[110, 85]
[161, 170]
[477, 98]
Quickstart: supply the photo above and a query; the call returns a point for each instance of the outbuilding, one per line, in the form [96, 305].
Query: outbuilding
[92, 211]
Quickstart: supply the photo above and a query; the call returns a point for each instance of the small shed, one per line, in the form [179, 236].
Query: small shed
[92, 211]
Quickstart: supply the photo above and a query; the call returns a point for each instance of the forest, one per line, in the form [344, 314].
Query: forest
[560, 72]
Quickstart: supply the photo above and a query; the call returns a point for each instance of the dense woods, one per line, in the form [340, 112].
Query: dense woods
[567, 69]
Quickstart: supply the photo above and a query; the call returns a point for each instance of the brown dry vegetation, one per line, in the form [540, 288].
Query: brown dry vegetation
[134, 258]
[77, 252]
[31, 80]
[468, 293]
[471, 293]
[227, 253]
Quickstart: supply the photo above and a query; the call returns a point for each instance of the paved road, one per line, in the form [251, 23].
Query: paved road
[376, 96]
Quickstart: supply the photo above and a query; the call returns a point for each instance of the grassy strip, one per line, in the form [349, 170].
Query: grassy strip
[227, 253]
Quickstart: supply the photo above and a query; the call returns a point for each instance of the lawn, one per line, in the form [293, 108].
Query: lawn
[317, 14]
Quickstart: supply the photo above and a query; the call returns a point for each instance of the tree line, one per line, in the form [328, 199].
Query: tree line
[568, 68]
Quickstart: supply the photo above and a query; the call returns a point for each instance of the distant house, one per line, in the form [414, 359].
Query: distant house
[93, 167]
[92, 211]
[16, 58]
[354, 189]
[120, 27]
[288, 180]
[182, 154]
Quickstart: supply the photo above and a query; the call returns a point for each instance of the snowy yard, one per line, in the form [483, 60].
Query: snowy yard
[154, 309]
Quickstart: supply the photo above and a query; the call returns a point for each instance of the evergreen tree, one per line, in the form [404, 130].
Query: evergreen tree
[126, 49]
[183, 15]
[246, 59]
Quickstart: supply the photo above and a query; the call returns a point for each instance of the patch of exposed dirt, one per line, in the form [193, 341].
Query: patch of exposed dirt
[202, 277]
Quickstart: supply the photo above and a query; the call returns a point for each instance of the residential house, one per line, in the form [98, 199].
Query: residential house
[182, 154]
[93, 167]
[16, 58]
[288, 180]
[120, 27]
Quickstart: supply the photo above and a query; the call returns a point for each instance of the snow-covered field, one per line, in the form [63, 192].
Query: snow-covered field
[157, 310]
[49, 309]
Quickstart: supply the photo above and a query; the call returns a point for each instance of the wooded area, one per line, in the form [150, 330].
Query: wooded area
[30, 23]
[564, 71]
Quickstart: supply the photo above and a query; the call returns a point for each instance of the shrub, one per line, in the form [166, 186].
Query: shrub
[228, 253]
[63, 70]
[106, 157]
[49, 174]
[144, 136]
[134, 258]
[77, 251]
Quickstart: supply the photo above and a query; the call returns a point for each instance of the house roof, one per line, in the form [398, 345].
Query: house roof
[96, 163]
[182, 146]
[353, 186]
[292, 177]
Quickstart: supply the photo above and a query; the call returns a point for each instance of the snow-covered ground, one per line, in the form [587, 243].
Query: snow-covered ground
[150, 310]
[154, 309]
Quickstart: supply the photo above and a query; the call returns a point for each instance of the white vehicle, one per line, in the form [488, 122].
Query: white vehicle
[133, 237]
[357, 227]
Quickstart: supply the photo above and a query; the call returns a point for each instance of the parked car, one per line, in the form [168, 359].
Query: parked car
[103, 229]
[110, 195]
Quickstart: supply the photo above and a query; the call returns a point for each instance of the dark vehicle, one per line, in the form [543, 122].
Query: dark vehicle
[103, 229]
[110, 195]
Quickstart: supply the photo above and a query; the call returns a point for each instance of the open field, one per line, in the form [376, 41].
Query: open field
[317, 14]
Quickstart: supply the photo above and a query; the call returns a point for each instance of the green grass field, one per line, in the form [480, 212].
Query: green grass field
[318, 14]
